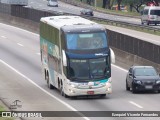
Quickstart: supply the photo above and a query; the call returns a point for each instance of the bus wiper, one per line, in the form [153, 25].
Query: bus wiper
[97, 75]
[73, 78]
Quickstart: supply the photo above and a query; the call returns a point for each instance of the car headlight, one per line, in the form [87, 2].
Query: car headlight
[138, 82]
[158, 82]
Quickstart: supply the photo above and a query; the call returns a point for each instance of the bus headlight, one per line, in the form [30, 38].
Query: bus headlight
[74, 85]
[109, 80]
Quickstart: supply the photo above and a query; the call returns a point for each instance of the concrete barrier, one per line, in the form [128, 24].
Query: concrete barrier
[20, 22]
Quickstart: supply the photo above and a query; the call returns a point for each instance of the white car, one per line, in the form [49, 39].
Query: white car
[53, 3]
[151, 15]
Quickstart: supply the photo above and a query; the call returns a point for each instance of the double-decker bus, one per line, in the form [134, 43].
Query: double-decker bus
[75, 55]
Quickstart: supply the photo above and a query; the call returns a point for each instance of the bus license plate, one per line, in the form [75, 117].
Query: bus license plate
[90, 92]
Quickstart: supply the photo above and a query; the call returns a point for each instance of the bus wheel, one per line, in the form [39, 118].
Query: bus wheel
[48, 83]
[62, 93]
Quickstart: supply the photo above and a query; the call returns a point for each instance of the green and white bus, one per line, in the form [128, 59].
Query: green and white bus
[75, 55]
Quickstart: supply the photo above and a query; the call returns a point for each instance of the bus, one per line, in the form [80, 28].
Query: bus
[75, 56]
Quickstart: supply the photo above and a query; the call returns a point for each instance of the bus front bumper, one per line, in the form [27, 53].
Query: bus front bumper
[97, 91]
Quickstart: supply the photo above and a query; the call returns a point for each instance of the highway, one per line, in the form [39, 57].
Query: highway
[20, 50]
[63, 7]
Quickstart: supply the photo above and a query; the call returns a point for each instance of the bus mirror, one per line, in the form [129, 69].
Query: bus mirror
[64, 58]
[112, 56]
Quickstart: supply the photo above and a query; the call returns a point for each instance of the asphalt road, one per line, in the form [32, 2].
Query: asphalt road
[20, 49]
[63, 7]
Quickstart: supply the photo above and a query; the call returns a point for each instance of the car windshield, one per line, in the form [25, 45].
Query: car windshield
[89, 69]
[145, 72]
[88, 10]
[81, 41]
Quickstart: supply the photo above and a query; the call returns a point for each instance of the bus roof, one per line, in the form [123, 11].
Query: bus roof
[152, 7]
[60, 21]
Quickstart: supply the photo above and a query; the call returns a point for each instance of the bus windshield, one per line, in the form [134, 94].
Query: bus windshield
[90, 69]
[84, 41]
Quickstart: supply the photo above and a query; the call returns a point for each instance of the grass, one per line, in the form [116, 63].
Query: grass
[2, 118]
[2, 108]
[127, 13]
[119, 12]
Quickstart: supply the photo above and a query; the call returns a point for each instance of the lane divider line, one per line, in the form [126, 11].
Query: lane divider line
[120, 68]
[20, 44]
[20, 29]
[64, 103]
[38, 53]
[133, 103]
[3, 37]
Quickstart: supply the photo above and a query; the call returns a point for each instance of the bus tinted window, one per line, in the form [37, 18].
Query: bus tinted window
[155, 12]
[82, 41]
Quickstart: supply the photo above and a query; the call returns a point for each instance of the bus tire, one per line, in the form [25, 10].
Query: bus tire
[48, 83]
[62, 93]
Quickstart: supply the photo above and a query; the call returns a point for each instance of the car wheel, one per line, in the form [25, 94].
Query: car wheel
[147, 23]
[127, 88]
[158, 91]
[133, 89]
[155, 24]
[142, 22]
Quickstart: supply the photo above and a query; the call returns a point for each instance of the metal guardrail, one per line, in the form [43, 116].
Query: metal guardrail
[114, 22]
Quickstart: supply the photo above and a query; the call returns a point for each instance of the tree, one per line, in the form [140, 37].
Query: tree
[90, 2]
[107, 4]
[136, 4]
[119, 4]
[104, 3]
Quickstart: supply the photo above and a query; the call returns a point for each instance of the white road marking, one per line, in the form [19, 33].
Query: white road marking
[20, 29]
[38, 53]
[120, 68]
[133, 103]
[31, 81]
[20, 44]
[3, 37]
